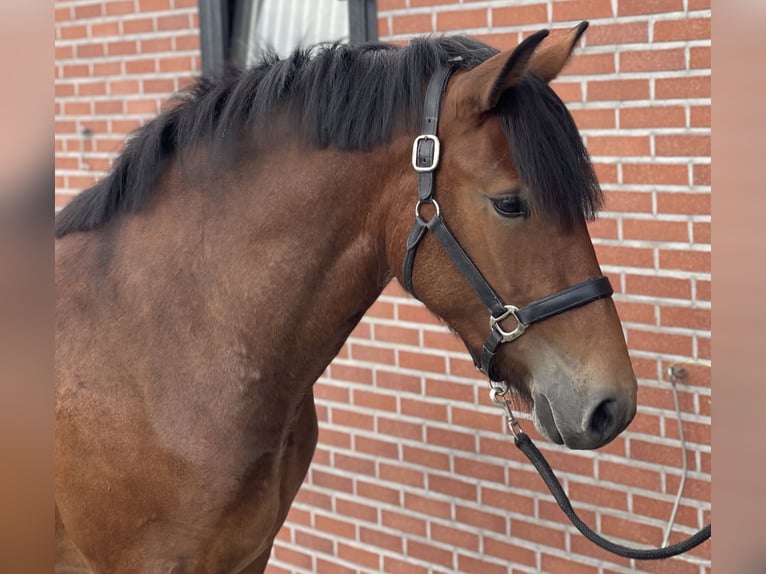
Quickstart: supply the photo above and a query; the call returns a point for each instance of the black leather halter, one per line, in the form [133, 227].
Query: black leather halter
[425, 160]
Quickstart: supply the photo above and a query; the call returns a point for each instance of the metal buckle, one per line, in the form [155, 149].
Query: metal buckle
[508, 336]
[434, 157]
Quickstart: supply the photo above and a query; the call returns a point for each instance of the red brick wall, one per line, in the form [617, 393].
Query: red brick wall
[117, 61]
[413, 471]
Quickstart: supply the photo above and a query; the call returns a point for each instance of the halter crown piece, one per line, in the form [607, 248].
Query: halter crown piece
[425, 160]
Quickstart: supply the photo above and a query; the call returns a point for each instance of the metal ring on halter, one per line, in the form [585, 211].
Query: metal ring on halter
[508, 336]
[430, 201]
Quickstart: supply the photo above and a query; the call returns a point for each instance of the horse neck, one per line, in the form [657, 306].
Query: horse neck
[296, 239]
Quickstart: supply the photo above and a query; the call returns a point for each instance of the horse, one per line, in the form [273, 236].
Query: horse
[209, 279]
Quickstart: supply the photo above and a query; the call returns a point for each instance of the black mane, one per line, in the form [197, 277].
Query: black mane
[349, 97]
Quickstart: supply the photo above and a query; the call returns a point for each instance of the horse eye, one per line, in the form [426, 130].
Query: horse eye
[510, 206]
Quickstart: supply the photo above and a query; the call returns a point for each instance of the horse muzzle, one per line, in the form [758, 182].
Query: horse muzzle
[584, 422]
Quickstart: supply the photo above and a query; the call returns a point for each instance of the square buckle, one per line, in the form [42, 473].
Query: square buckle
[507, 336]
[431, 156]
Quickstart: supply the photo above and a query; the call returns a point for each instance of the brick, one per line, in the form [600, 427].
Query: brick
[629, 475]
[106, 69]
[618, 90]
[685, 29]
[354, 464]
[700, 117]
[480, 470]
[660, 342]
[621, 33]
[88, 11]
[655, 174]
[461, 19]
[426, 505]
[406, 522]
[72, 32]
[329, 567]
[508, 551]
[119, 7]
[398, 428]
[653, 60]
[333, 526]
[683, 145]
[312, 541]
[97, 88]
[372, 354]
[471, 565]
[353, 419]
[374, 400]
[174, 22]
[690, 318]
[504, 499]
[398, 381]
[351, 373]
[594, 119]
[375, 537]
[685, 260]
[397, 474]
[153, 5]
[454, 537]
[654, 230]
[385, 5]
[188, 43]
[435, 411]
[569, 92]
[395, 334]
[682, 88]
[636, 531]
[471, 419]
[122, 48]
[139, 26]
[653, 117]
[293, 557]
[450, 439]
[90, 50]
[581, 10]
[605, 172]
[104, 29]
[396, 566]
[412, 24]
[635, 312]
[356, 509]
[62, 15]
[331, 481]
[480, 519]
[377, 447]
[628, 201]
[699, 57]
[534, 532]
[150, 45]
[640, 7]
[701, 175]
[619, 146]
[701, 232]
[555, 565]
[519, 15]
[429, 553]
[599, 495]
[426, 457]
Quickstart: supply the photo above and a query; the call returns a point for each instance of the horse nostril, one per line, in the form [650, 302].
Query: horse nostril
[603, 419]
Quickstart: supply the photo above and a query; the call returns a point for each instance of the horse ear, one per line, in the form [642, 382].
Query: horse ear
[483, 85]
[549, 61]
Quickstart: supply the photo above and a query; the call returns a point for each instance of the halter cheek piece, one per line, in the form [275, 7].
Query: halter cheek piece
[425, 160]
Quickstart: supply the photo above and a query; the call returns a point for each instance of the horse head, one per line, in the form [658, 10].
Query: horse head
[515, 187]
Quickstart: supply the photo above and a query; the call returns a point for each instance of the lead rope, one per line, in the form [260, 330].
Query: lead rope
[499, 396]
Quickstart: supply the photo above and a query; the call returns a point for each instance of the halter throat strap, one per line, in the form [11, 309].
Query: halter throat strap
[426, 151]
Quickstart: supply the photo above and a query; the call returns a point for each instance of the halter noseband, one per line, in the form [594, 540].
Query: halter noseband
[425, 160]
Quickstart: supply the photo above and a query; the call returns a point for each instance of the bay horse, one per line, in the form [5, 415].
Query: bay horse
[204, 285]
